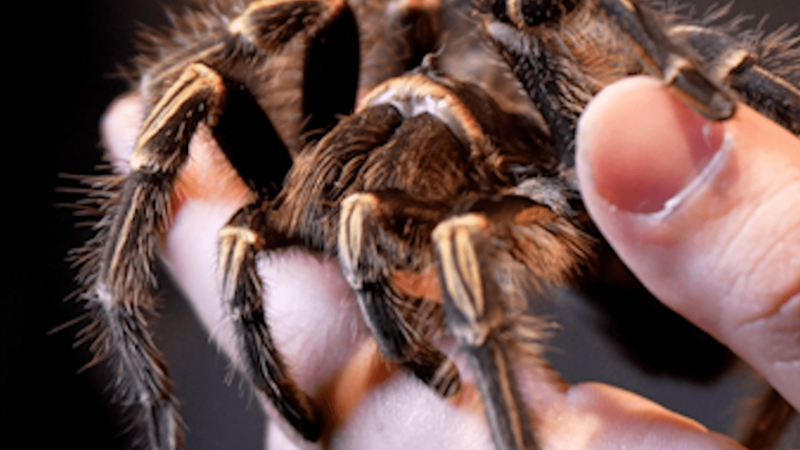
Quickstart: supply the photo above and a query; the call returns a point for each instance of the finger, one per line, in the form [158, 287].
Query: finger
[119, 129]
[595, 416]
[707, 215]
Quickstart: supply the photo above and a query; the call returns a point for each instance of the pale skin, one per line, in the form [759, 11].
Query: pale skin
[727, 257]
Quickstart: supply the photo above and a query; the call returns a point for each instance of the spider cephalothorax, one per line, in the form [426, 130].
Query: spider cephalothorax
[416, 170]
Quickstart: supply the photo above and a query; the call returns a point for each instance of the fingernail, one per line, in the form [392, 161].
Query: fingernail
[646, 154]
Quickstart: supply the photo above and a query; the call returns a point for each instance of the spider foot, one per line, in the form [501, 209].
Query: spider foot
[497, 259]
[379, 234]
[122, 339]
[247, 234]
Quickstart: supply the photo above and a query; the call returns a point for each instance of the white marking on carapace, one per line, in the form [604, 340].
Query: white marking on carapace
[417, 94]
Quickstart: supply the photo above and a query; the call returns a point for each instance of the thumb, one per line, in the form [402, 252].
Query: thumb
[707, 215]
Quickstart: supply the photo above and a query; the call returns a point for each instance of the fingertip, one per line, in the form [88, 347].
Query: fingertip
[708, 221]
[119, 129]
[639, 147]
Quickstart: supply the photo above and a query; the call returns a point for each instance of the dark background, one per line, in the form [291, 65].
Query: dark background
[59, 67]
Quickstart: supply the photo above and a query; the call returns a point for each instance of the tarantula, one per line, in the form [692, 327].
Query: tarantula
[368, 151]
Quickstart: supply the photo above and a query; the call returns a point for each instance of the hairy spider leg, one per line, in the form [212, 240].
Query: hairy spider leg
[743, 69]
[130, 233]
[247, 234]
[678, 67]
[398, 35]
[189, 87]
[497, 259]
[382, 235]
[701, 65]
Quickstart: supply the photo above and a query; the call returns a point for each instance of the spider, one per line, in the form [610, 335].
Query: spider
[409, 174]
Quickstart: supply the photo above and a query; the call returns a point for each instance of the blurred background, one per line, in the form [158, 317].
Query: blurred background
[62, 78]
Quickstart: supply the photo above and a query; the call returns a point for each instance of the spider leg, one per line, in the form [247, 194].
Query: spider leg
[399, 34]
[331, 62]
[144, 205]
[496, 260]
[741, 68]
[371, 252]
[679, 67]
[699, 63]
[123, 336]
[535, 66]
[248, 233]
[121, 264]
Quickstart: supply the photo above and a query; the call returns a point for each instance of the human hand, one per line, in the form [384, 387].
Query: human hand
[367, 403]
[709, 223]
